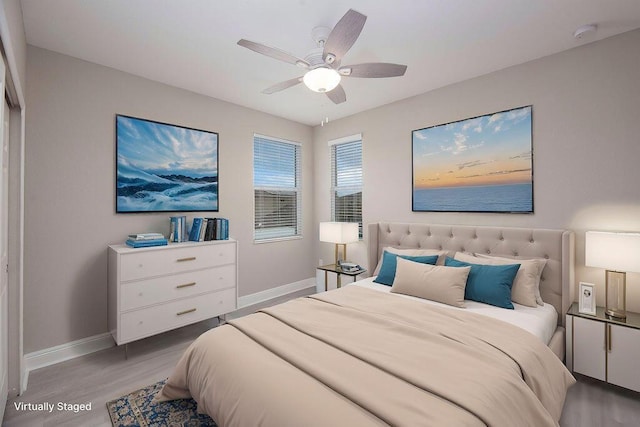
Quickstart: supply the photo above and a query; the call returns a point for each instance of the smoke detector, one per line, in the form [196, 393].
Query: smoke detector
[585, 30]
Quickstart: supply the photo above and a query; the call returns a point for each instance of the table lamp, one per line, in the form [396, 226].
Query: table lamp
[339, 233]
[618, 253]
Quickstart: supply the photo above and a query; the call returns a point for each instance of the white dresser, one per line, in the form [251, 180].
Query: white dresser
[156, 289]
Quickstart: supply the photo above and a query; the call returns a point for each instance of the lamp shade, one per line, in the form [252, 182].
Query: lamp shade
[322, 79]
[339, 232]
[613, 251]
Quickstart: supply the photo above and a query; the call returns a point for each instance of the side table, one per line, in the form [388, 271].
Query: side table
[332, 268]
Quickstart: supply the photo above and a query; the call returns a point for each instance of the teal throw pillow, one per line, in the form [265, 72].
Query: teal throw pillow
[390, 261]
[490, 284]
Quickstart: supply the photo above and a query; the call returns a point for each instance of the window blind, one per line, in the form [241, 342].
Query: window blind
[277, 188]
[346, 182]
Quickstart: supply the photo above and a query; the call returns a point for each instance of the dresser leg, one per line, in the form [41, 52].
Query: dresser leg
[126, 352]
[222, 319]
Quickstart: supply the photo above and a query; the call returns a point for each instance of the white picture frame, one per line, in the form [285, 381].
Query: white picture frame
[587, 298]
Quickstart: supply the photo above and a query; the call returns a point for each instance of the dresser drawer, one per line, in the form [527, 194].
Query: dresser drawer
[153, 263]
[167, 288]
[150, 321]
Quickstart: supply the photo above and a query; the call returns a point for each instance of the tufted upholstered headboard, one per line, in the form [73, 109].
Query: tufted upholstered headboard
[557, 246]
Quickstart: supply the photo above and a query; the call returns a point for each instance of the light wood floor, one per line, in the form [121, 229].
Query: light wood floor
[591, 403]
[98, 378]
[103, 376]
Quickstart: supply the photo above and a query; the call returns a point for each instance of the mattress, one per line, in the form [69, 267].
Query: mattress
[540, 321]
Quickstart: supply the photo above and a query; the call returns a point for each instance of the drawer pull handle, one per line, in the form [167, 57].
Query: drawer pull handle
[191, 258]
[186, 285]
[186, 312]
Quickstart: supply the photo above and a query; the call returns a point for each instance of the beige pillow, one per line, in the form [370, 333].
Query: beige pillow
[432, 282]
[410, 252]
[525, 284]
[530, 270]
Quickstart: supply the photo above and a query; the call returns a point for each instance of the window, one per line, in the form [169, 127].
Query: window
[346, 180]
[277, 188]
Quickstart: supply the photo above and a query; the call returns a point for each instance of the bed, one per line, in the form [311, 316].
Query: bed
[361, 356]
[556, 246]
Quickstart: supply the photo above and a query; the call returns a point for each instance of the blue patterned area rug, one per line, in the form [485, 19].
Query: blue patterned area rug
[139, 409]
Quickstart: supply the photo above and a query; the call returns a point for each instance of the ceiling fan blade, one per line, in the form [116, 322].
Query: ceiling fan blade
[282, 86]
[343, 36]
[273, 53]
[373, 70]
[337, 95]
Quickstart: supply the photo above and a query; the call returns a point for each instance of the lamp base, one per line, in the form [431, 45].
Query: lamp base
[615, 294]
[616, 314]
[344, 253]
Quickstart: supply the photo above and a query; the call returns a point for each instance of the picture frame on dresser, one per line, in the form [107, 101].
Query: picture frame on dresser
[587, 298]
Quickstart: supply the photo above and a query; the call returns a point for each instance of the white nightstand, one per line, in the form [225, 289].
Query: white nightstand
[604, 348]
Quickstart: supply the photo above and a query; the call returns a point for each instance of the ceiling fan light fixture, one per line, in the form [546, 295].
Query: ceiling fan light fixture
[321, 79]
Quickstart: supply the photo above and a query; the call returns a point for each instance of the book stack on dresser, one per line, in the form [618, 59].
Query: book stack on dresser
[143, 240]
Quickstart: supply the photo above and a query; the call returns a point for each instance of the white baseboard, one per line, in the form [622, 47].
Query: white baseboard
[279, 291]
[60, 353]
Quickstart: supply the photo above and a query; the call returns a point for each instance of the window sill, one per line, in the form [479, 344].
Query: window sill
[276, 239]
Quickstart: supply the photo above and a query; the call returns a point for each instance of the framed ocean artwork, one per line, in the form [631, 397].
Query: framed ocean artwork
[481, 164]
[165, 168]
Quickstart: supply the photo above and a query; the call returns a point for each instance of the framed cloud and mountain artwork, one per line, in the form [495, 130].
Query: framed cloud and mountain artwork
[165, 168]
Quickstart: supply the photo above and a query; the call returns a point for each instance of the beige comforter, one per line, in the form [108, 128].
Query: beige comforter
[358, 357]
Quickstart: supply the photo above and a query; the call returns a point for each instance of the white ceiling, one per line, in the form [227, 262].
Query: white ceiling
[191, 44]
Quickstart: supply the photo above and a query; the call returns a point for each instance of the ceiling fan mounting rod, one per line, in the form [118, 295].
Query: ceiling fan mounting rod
[320, 35]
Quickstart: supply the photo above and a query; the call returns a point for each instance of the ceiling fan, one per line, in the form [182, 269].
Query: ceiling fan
[323, 63]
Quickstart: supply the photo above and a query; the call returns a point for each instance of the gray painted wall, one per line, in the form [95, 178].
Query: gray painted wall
[69, 186]
[585, 118]
[586, 122]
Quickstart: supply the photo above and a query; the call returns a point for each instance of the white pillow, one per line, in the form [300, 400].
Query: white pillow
[530, 269]
[410, 252]
[432, 282]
